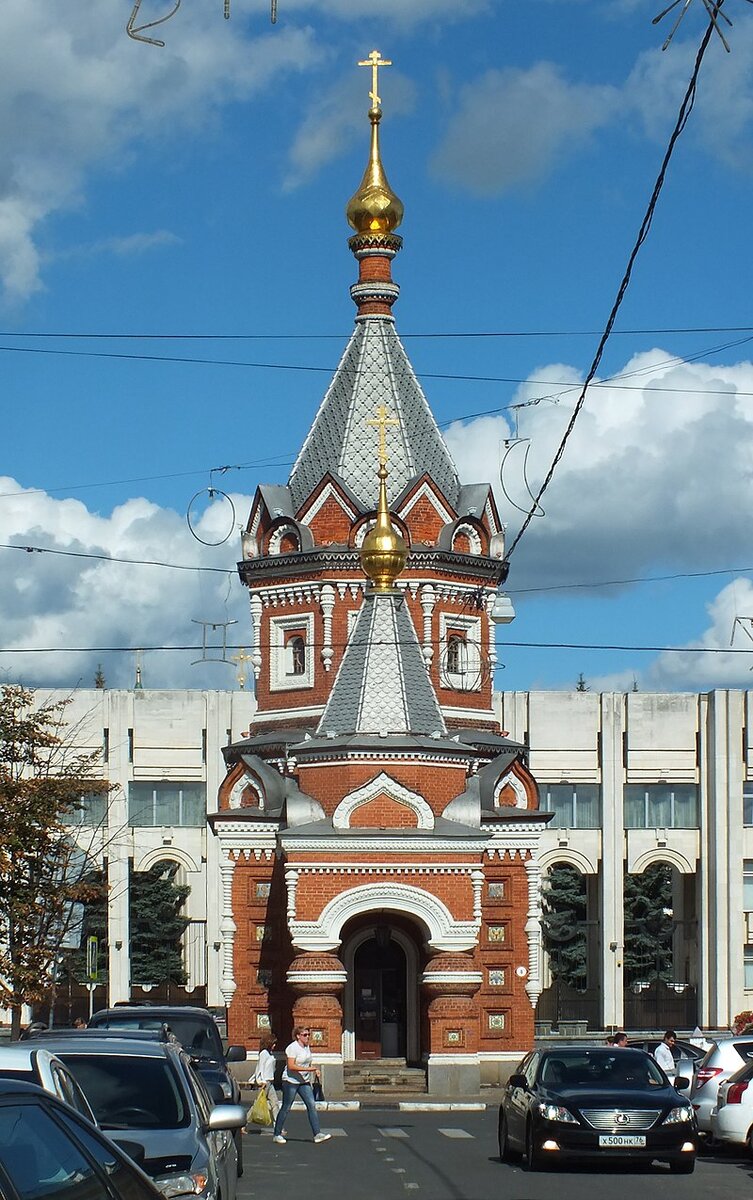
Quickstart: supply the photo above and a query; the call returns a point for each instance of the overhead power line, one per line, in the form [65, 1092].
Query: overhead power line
[193, 648]
[338, 337]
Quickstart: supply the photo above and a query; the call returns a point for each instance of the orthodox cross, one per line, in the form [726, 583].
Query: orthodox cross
[241, 658]
[375, 61]
[381, 422]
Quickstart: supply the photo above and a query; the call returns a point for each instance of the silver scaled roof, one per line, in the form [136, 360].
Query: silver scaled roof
[382, 686]
[374, 370]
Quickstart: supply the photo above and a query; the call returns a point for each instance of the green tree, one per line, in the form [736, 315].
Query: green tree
[649, 924]
[157, 925]
[563, 921]
[44, 873]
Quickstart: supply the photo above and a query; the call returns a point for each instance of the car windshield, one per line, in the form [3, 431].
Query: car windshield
[129, 1091]
[588, 1069]
[200, 1037]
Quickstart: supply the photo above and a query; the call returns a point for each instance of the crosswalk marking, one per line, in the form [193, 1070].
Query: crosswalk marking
[393, 1131]
[455, 1133]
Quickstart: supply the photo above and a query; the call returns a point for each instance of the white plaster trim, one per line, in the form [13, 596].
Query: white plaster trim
[476, 714]
[278, 534]
[452, 977]
[453, 1060]
[568, 854]
[379, 868]
[279, 680]
[317, 976]
[426, 491]
[472, 678]
[385, 845]
[274, 715]
[436, 760]
[534, 983]
[662, 854]
[521, 799]
[164, 854]
[473, 537]
[383, 784]
[445, 933]
[330, 491]
[239, 787]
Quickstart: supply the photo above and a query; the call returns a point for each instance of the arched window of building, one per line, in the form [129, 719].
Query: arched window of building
[457, 654]
[295, 655]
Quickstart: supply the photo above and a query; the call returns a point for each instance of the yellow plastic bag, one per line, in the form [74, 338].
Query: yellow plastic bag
[261, 1113]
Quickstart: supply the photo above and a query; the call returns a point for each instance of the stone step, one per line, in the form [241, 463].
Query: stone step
[383, 1075]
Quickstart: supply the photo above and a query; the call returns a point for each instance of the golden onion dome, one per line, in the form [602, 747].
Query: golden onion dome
[374, 208]
[384, 552]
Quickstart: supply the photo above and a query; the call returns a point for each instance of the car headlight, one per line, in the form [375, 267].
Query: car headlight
[555, 1112]
[679, 1115]
[183, 1185]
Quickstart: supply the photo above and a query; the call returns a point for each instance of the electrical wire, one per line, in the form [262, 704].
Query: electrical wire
[331, 337]
[380, 642]
[686, 108]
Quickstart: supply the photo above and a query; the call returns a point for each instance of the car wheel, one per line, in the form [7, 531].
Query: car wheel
[682, 1166]
[533, 1156]
[503, 1138]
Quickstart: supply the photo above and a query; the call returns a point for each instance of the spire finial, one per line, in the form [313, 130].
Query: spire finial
[374, 209]
[375, 61]
[384, 552]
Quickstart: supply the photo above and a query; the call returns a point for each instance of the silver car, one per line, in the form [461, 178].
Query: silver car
[147, 1093]
[29, 1063]
[725, 1057]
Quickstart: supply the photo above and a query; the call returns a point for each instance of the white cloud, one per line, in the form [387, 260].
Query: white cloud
[50, 600]
[121, 247]
[512, 127]
[649, 478]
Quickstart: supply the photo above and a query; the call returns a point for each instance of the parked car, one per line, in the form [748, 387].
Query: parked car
[725, 1056]
[733, 1119]
[197, 1032]
[595, 1102]
[686, 1054]
[146, 1092]
[48, 1149]
[31, 1063]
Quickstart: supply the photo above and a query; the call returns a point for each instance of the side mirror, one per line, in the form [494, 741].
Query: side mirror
[681, 1082]
[517, 1080]
[235, 1054]
[228, 1116]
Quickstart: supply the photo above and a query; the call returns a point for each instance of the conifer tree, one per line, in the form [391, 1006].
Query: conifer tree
[563, 921]
[157, 925]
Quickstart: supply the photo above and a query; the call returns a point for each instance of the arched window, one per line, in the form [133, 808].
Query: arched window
[457, 654]
[295, 655]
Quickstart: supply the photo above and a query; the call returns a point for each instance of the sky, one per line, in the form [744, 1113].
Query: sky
[174, 277]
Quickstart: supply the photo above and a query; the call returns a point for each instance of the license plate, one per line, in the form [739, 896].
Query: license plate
[617, 1140]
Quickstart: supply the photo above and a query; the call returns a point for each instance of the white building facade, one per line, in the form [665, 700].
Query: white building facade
[633, 779]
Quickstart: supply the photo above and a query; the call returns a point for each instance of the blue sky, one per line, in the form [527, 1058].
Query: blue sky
[197, 192]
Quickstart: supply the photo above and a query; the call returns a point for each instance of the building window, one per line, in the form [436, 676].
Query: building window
[748, 969]
[575, 805]
[295, 655]
[167, 803]
[457, 655]
[661, 805]
[748, 804]
[748, 885]
[461, 666]
[91, 809]
[291, 663]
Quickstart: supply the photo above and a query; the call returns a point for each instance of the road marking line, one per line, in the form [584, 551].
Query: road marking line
[455, 1133]
[393, 1131]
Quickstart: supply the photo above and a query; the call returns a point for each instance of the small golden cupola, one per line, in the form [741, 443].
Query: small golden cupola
[384, 552]
[374, 208]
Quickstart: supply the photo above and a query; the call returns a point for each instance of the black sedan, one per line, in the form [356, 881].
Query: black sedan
[48, 1149]
[599, 1103]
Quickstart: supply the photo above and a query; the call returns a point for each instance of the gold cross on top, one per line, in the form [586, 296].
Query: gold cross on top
[241, 658]
[381, 421]
[375, 61]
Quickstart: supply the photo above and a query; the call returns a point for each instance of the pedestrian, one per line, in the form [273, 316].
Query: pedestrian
[664, 1056]
[264, 1075]
[297, 1079]
[79, 1023]
[619, 1039]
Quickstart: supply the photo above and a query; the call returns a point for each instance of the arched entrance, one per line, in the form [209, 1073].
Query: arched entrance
[380, 1004]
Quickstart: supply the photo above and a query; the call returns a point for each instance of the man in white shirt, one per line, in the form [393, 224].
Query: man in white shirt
[664, 1056]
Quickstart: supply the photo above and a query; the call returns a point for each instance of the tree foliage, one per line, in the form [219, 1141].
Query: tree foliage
[649, 924]
[563, 921]
[43, 872]
[157, 925]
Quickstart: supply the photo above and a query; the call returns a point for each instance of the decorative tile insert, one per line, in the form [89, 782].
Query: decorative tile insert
[317, 1037]
[497, 1022]
[262, 891]
[262, 931]
[497, 978]
[496, 891]
[262, 1021]
[454, 1037]
[497, 933]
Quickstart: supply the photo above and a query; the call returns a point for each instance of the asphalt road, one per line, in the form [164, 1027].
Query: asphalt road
[386, 1155]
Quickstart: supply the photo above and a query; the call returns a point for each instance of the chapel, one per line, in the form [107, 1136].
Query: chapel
[379, 833]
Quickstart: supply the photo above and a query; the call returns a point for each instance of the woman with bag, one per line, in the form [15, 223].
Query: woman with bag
[264, 1076]
[297, 1079]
